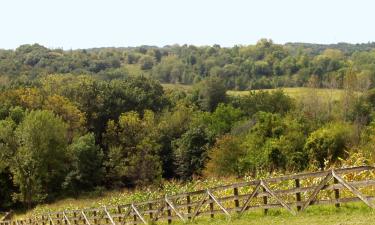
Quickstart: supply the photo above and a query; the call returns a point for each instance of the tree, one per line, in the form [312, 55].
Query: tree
[147, 62]
[211, 92]
[37, 161]
[7, 189]
[191, 152]
[8, 144]
[172, 125]
[133, 157]
[329, 143]
[69, 113]
[267, 101]
[87, 169]
[221, 120]
[226, 157]
[275, 143]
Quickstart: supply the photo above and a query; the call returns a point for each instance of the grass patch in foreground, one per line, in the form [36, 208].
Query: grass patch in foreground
[347, 214]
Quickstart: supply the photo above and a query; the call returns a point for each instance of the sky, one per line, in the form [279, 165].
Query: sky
[72, 24]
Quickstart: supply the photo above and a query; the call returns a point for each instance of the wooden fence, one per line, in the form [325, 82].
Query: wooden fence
[293, 193]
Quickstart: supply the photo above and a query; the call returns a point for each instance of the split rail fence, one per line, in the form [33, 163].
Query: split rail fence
[293, 193]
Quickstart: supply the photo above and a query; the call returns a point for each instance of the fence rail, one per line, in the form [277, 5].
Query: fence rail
[293, 193]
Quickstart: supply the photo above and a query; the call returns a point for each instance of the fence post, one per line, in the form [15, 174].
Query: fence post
[50, 219]
[211, 207]
[265, 201]
[119, 212]
[95, 220]
[169, 215]
[75, 217]
[43, 220]
[337, 193]
[298, 195]
[188, 200]
[106, 219]
[236, 201]
[150, 208]
[135, 219]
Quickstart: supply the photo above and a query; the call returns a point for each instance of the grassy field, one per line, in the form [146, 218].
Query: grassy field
[184, 87]
[299, 92]
[294, 92]
[348, 214]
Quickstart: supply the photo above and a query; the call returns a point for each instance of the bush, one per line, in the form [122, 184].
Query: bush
[329, 143]
[225, 158]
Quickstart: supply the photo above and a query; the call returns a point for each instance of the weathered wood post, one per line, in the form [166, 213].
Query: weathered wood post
[265, 201]
[150, 208]
[169, 212]
[337, 193]
[236, 201]
[75, 217]
[50, 219]
[43, 220]
[298, 195]
[211, 207]
[188, 201]
[95, 217]
[135, 219]
[119, 212]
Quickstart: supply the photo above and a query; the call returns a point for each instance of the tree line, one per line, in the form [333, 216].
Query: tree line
[263, 65]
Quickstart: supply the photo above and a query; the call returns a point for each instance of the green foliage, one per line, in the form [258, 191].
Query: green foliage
[172, 125]
[75, 121]
[147, 62]
[264, 65]
[133, 156]
[329, 143]
[38, 162]
[226, 158]
[210, 92]
[7, 190]
[275, 143]
[191, 152]
[273, 102]
[87, 169]
[221, 120]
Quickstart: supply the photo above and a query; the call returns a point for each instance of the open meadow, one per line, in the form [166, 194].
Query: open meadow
[299, 92]
[294, 92]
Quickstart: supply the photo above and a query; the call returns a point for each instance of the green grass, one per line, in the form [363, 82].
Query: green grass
[294, 92]
[347, 214]
[184, 87]
[299, 92]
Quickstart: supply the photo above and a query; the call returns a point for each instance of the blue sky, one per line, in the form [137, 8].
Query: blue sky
[101, 23]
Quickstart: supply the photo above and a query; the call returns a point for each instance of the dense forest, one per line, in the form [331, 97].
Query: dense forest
[75, 121]
[264, 65]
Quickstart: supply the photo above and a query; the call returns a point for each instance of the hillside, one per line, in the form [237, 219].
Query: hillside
[348, 180]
